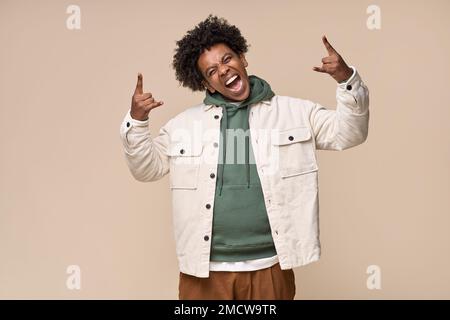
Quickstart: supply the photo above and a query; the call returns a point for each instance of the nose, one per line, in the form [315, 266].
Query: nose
[223, 69]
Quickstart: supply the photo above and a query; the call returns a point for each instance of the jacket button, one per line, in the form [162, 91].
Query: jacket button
[206, 238]
[128, 124]
[216, 144]
[349, 87]
[212, 175]
[291, 138]
[208, 206]
[216, 117]
[182, 151]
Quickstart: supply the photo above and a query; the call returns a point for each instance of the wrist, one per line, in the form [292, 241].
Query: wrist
[138, 118]
[346, 76]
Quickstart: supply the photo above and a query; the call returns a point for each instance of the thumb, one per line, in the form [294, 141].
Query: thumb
[319, 69]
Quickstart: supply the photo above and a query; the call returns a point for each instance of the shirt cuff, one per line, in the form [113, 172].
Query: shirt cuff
[352, 84]
[353, 93]
[129, 123]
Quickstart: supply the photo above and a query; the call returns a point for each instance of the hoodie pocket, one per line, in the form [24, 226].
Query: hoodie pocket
[184, 164]
[296, 154]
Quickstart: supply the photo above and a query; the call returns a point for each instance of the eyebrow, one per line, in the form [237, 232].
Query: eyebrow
[223, 57]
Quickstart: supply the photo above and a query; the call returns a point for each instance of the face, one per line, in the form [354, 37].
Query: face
[224, 71]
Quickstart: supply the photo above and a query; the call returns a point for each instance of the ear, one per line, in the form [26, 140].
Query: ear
[208, 86]
[244, 61]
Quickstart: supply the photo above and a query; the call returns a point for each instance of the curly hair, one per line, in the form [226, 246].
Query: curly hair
[207, 33]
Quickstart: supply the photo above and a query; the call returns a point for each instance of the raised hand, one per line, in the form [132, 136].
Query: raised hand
[334, 65]
[142, 103]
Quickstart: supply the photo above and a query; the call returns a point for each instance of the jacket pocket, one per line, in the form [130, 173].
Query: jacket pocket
[296, 154]
[184, 164]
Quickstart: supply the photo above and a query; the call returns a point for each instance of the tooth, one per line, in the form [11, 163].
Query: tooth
[231, 80]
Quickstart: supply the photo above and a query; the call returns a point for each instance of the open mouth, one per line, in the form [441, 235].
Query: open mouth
[234, 83]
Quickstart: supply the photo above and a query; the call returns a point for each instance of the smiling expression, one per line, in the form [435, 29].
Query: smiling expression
[224, 71]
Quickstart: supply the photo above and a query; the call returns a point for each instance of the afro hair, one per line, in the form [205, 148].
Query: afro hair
[207, 33]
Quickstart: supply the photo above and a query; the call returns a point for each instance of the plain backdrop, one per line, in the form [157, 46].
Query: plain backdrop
[68, 198]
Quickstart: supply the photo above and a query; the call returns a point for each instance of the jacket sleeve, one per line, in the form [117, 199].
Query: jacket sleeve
[348, 125]
[146, 157]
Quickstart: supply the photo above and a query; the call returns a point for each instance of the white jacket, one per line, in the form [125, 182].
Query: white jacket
[285, 134]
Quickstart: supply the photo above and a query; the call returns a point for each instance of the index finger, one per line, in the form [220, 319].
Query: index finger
[330, 49]
[139, 89]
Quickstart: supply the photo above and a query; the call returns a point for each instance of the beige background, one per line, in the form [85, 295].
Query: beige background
[67, 197]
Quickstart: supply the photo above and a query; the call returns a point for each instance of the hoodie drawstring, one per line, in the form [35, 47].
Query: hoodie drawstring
[224, 126]
[247, 147]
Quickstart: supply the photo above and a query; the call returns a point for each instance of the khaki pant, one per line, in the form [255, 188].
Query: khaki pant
[265, 284]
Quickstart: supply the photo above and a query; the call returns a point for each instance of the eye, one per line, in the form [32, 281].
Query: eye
[227, 59]
[210, 73]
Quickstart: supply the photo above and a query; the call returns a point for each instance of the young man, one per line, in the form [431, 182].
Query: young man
[243, 166]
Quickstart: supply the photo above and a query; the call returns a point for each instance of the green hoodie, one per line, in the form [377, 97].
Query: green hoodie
[241, 229]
